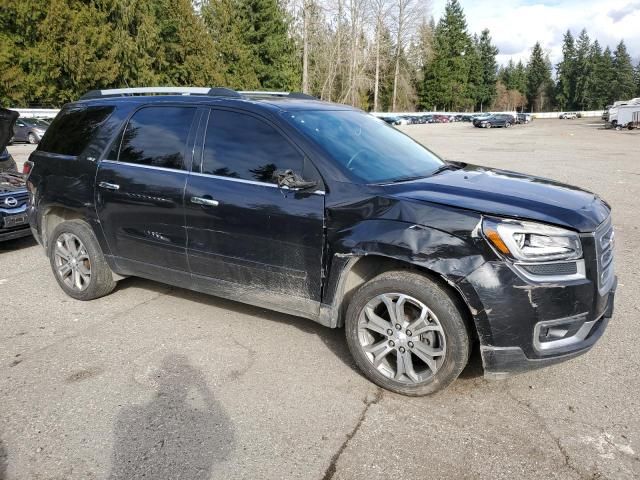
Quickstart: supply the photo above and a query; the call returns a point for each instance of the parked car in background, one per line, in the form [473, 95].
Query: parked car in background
[391, 120]
[568, 116]
[13, 191]
[29, 130]
[440, 119]
[524, 118]
[496, 120]
[323, 212]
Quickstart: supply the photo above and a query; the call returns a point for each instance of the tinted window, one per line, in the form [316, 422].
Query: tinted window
[242, 146]
[366, 146]
[157, 136]
[72, 130]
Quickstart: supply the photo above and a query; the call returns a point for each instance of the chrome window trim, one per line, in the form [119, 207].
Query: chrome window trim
[149, 167]
[218, 177]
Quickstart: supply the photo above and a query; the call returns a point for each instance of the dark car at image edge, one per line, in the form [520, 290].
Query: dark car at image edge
[322, 211]
[13, 191]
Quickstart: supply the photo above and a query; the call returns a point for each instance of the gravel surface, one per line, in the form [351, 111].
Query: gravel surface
[157, 382]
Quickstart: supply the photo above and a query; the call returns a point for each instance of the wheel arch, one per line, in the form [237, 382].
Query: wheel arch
[359, 269]
[54, 216]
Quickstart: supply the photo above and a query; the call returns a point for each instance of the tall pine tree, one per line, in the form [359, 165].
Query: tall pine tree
[566, 74]
[446, 83]
[583, 71]
[273, 50]
[487, 52]
[623, 85]
[538, 79]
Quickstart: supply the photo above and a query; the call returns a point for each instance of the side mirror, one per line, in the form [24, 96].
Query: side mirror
[293, 181]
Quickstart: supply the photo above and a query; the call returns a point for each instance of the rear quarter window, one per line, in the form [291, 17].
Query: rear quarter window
[73, 129]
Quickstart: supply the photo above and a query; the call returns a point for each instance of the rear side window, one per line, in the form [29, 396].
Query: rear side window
[72, 130]
[242, 146]
[157, 136]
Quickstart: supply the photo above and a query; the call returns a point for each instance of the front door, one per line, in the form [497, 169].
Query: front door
[243, 229]
[140, 190]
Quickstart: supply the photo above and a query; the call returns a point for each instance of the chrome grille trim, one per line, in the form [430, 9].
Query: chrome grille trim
[604, 239]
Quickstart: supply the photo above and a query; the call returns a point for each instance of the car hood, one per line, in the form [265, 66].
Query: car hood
[11, 182]
[508, 194]
[7, 120]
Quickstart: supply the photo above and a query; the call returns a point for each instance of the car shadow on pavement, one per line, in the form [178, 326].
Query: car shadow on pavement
[181, 433]
[17, 244]
[333, 338]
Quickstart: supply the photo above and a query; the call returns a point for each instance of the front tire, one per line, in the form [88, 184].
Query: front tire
[32, 139]
[407, 334]
[78, 263]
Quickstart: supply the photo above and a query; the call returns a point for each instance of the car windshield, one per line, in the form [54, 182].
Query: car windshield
[365, 146]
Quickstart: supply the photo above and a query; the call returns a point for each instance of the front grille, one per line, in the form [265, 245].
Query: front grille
[604, 254]
[20, 197]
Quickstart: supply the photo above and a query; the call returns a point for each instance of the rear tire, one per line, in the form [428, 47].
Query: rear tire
[78, 263]
[388, 352]
[32, 139]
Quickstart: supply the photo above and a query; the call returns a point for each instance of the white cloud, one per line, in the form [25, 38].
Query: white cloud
[516, 25]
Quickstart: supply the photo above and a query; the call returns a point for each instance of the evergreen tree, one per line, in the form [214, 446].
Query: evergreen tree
[600, 86]
[186, 51]
[474, 65]
[487, 52]
[566, 72]
[273, 50]
[447, 77]
[519, 79]
[583, 72]
[623, 85]
[538, 79]
[637, 79]
[227, 29]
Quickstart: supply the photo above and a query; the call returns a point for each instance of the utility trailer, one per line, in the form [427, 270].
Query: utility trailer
[612, 114]
[628, 117]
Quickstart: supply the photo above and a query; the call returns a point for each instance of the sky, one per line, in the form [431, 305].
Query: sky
[516, 25]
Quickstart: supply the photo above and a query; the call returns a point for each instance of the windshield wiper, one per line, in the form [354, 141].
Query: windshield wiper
[442, 168]
[407, 179]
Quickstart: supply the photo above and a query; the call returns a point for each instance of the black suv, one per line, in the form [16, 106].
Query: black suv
[323, 211]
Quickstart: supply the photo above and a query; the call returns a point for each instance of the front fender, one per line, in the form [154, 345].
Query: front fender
[446, 254]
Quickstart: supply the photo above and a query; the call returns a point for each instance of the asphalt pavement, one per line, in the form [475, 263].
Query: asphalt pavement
[157, 382]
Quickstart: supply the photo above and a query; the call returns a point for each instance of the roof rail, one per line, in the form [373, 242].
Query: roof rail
[260, 93]
[123, 92]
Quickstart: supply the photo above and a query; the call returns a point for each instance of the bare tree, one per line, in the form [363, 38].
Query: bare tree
[408, 14]
[380, 10]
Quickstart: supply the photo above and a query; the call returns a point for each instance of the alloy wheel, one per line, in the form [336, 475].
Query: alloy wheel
[402, 338]
[72, 262]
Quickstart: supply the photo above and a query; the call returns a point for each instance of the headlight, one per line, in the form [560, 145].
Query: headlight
[532, 242]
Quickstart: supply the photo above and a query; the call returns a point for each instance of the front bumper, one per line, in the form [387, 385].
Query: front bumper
[24, 231]
[12, 232]
[502, 362]
[523, 325]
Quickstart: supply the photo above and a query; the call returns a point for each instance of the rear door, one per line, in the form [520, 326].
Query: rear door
[140, 189]
[241, 227]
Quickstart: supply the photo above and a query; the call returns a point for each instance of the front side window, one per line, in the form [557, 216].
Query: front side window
[157, 136]
[242, 146]
[365, 146]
